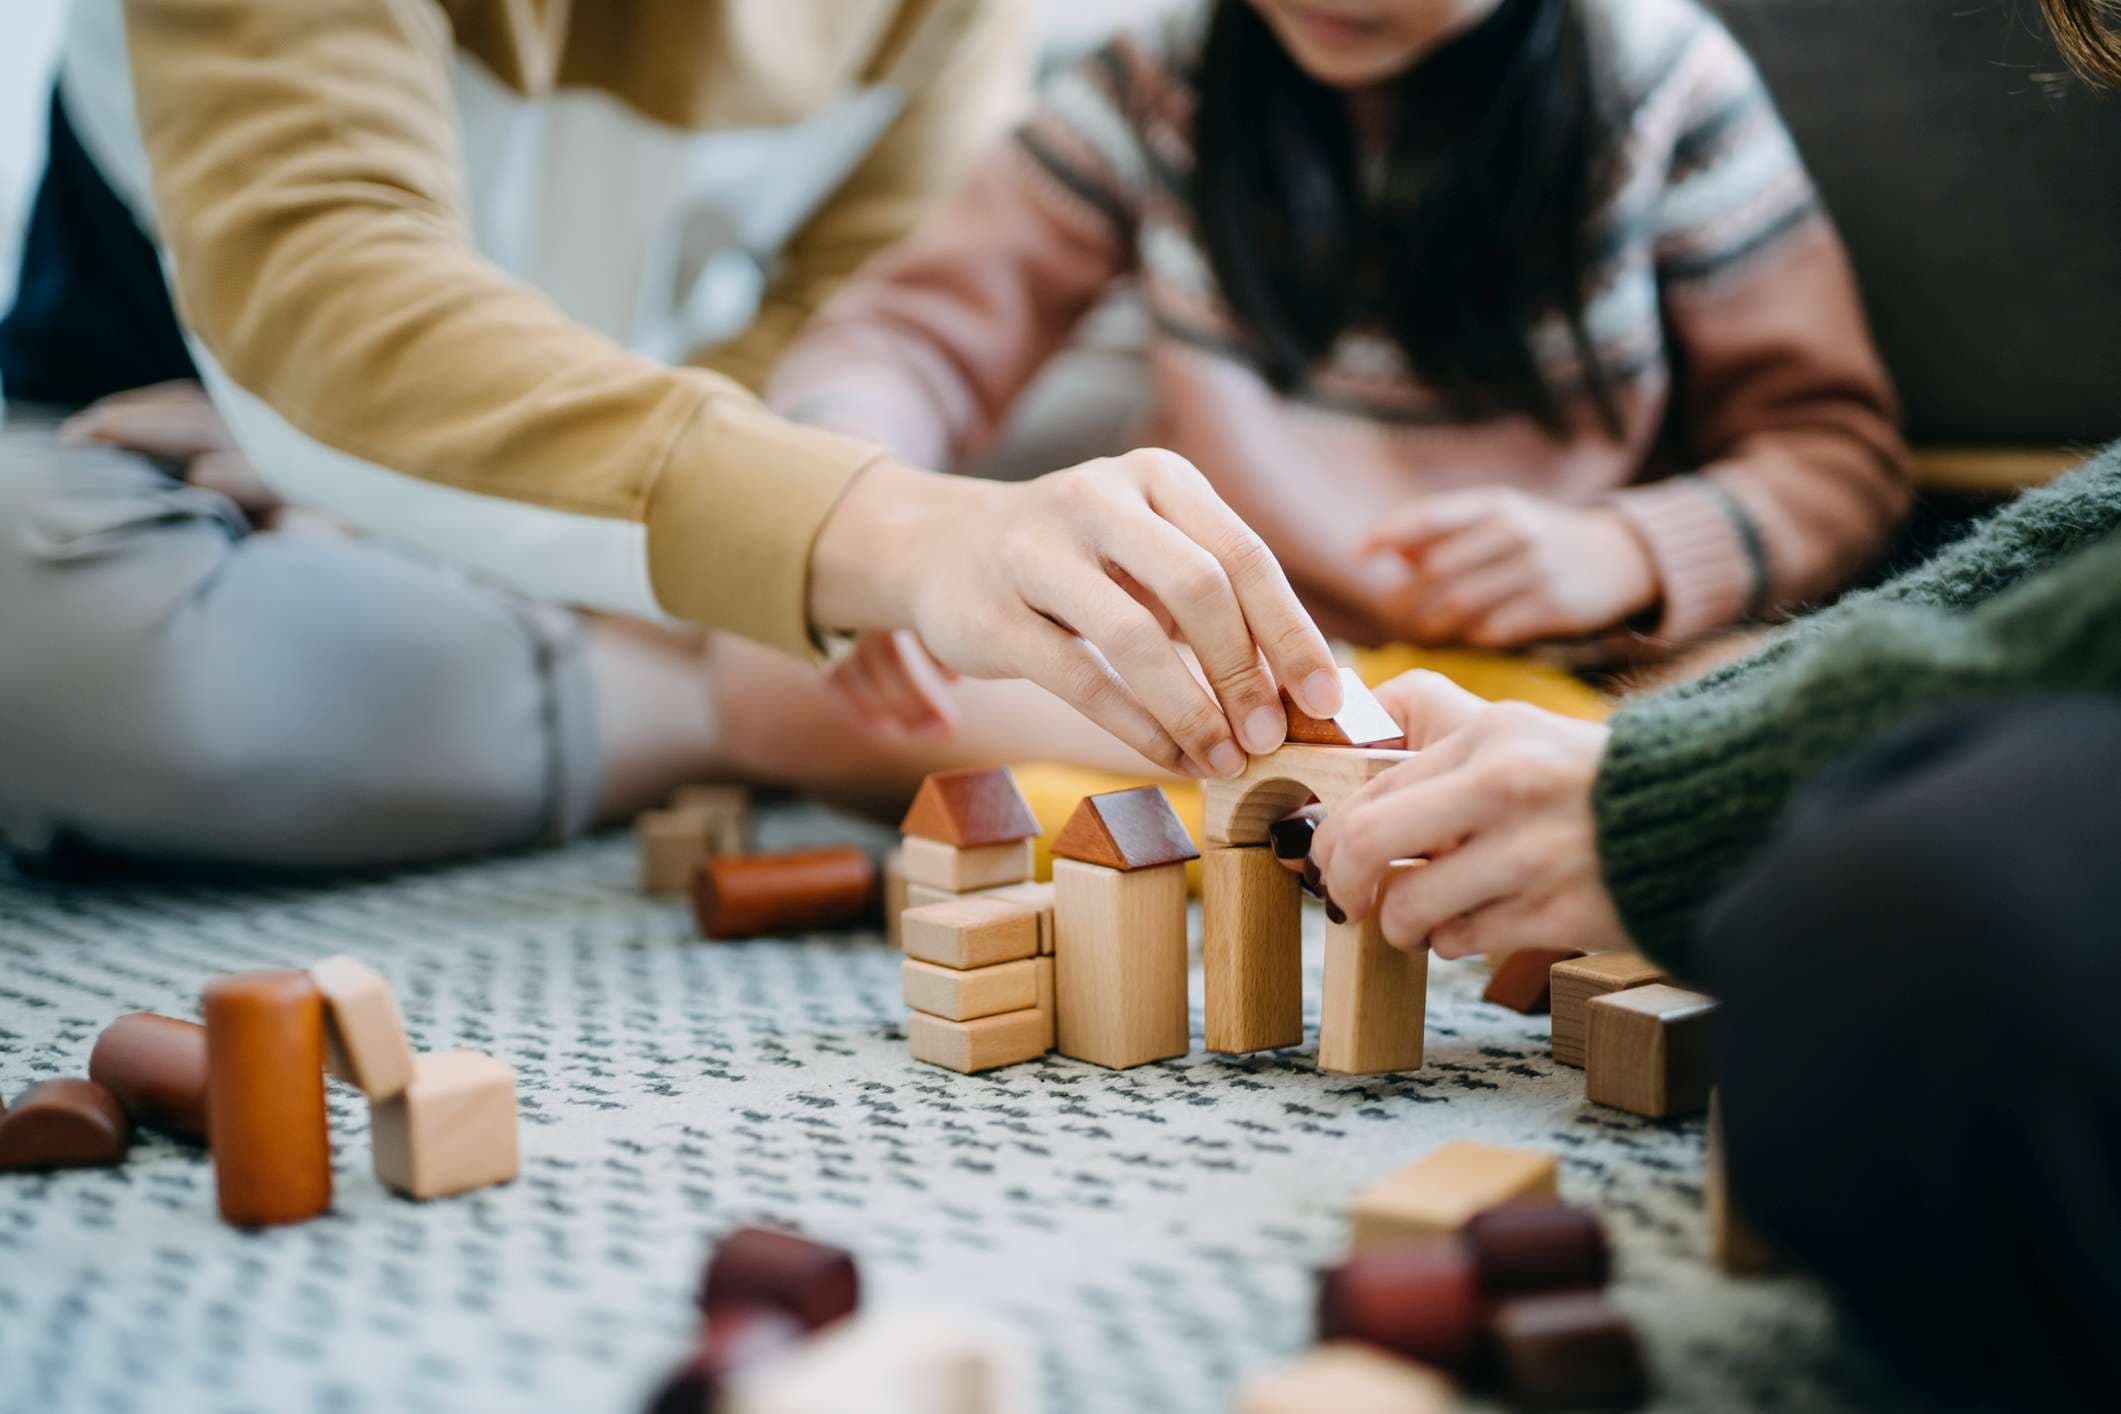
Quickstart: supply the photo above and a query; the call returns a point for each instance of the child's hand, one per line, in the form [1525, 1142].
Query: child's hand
[893, 681]
[1499, 568]
[176, 422]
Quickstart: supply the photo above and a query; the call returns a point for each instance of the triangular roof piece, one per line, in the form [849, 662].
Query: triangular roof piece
[1125, 829]
[1361, 721]
[970, 808]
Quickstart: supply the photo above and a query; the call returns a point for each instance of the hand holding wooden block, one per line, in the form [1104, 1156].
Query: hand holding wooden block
[1437, 1196]
[1361, 721]
[452, 1129]
[64, 1124]
[364, 1039]
[266, 1121]
[1648, 1050]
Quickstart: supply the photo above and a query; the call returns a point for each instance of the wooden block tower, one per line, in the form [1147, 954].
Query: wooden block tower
[972, 980]
[967, 832]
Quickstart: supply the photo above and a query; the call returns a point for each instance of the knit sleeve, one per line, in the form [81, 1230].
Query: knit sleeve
[1695, 778]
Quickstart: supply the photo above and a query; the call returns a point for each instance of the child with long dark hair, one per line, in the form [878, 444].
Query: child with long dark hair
[1502, 321]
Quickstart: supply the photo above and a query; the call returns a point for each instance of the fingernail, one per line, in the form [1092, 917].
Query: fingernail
[1313, 879]
[1291, 838]
[1333, 913]
[1321, 694]
[1227, 759]
[1265, 730]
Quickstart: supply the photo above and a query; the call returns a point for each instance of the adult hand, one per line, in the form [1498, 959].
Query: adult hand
[1497, 568]
[176, 422]
[1498, 800]
[1080, 581]
[892, 680]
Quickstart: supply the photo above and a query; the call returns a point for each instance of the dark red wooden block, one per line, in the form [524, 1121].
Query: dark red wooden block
[734, 1338]
[814, 1283]
[1525, 1247]
[1568, 1350]
[64, 1124]
[1420, 1299]
[1520, 980]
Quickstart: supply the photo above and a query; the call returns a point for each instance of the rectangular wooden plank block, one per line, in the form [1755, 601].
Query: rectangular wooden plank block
[1575, 982]
[364, 1040]
[454, 1128]
[967, 994]
[1046, 1006]
[969, 932]
[1372, 1014]
[1523, 981]
[1647, 1050]
[1345, 1377]
[1251, 950]
[1436, 1197]
[1038, 896]
[1120, 963]
[961, 870]
[981, 1044]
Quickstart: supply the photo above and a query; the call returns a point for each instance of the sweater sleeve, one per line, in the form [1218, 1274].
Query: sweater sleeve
[1781, 399]
[929, 346]
[307, 179]
[1694, 778]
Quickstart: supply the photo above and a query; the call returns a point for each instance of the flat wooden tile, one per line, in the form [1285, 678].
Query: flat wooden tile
[967, 994]
[970, 1046]
[970, 932]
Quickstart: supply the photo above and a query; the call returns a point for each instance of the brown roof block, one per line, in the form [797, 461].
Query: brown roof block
[970, 808]
[1361, 721]
[1125, 829]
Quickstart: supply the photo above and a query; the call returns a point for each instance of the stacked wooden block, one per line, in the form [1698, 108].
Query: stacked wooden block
[967, 832]
[700, 821]
[1119, 878]
[1642, 1043]
[1573, 982]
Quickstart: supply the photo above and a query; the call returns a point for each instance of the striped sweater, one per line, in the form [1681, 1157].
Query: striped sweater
[1758, 457]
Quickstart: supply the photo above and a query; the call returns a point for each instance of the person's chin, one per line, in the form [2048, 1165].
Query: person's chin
[1342, 69]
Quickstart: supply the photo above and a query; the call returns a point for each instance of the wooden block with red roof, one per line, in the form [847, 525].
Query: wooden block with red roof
[969, 830]
[1119, 936]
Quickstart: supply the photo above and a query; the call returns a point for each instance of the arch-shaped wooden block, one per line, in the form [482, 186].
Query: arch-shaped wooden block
[1240, 810]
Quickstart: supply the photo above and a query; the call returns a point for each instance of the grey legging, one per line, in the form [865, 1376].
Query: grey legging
[174, 685]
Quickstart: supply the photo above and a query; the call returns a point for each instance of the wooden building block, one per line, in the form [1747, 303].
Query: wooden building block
[921, 895]
[1526, 1247]
[1361, 721]
[364, 1039]
[1251, 950]
[970, 1046]
[965, 995]
[896, 894]
[970, 932]
[1437, 1196]
[1648, 1050]
[1575, 982]
[814, 1282]
[1733, 1246]
[1046, 1005]
[1522, 981]
[1421, 1300]
[68, 1123]
[156, 1066]
[899, 1361]
[962, 869]
[1347, 1378]
[794, 891]
[670, 843]
[724, 810]
[1125, 830]
[1120, 963]
[1038, 896]
[1568, 1350]
[454, 1128]
[970, 808]
[1240, 811]
[265, 1116]
[1373, 1010]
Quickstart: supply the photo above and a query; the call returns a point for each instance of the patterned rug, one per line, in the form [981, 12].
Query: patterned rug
[1153, 1231]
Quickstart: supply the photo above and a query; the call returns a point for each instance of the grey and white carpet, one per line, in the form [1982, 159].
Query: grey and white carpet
[1153, 1231]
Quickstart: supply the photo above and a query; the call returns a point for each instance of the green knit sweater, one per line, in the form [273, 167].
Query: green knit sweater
[1695, 778]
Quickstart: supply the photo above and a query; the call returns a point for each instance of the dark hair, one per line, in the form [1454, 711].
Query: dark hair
[2090, 35]
[1479, 225]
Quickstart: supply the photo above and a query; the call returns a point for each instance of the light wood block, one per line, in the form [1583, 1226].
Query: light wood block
[970, 932]
[1437, 1196]
[1733, 1245]
[979, 805]
[1571, 984]
[1251, 950]
[961, 870]
[726, 810]
[1373, 1011]
[896, 1361]
[364, 1040]
[1348, 1378]
[1046, 1004]
[1239, 811]
[454, 1128]
[670, 842]
[1120, 963]
[1648, 1050]
[1038, 896]
[981, 1044]
[957, 995]
[896, 901]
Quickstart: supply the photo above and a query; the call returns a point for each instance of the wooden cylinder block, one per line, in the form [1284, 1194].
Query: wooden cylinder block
[815, 1283]
[746, 895]
[266, 1121]
[1251, 950]
[1421, 1300]
[68, 1123]
[1568, 1351]
[156, 1066]
[1524, 1247]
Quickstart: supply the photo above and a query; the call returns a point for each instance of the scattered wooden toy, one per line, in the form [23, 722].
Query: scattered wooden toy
[1527, 1246]
[1348, 1378]
[1437, 1196]
[1422, 1300]
[1575, 982]
[797, 891]
[814, 1282]
[895, 893]
[265, 1116]
[364, 1038]
[452, 1129]
[156, 1066]
[64, 1124]
[700, 820]
[1119, 875]
[1522, 981]
[1361, 721]
[725, 810]
[1733, 1245]
[1568, 1350]
[1648, 1050]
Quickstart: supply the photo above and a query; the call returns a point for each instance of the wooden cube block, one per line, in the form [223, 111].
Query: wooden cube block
[1372, 1010]
[1421, 1300]
[1733, 1246]
[364, 1039]
[1568, 1351]
[967, 994]
[1120, 963]
[724, 810]
[1038, 896]
[961, 869]
[1251, 950]
[1648, 1050]
[1575, 982]
[453, 1129]
[1046, 1004]
[1437, 1196]
[1522, 981]
[1347, 1378]
[670, 842]
[970, 1046]
[970, 932]
[896, 899]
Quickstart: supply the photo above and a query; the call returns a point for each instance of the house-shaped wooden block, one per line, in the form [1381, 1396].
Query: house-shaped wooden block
[968, 830]
[1120, 930]
[1361, 721]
